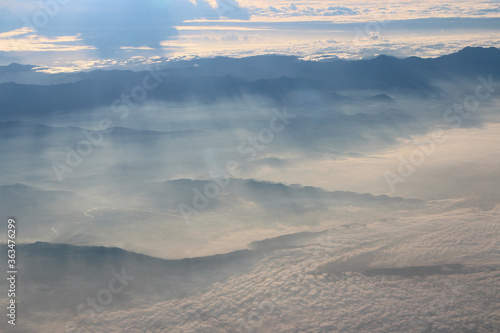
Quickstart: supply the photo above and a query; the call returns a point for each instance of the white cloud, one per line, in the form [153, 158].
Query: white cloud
[17, 32]
[284, 291]
[26, 40]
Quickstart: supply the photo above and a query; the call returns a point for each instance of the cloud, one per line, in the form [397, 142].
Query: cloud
[114, 24]
[337, 10]
[231, 9]
[17, 32]
[25, 40]
[282, 292]
[354, 11]
[426, 271]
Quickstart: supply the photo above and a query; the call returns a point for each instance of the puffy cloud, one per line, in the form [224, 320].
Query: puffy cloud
[284, 292]
[287, 289]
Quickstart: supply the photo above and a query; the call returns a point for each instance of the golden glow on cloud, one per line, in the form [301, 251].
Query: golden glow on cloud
[25, 40]
[346, 11]
[313, 45]
[136, 48]
[219, 28]
[17, 32]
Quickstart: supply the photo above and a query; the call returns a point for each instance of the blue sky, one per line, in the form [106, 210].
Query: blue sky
[69, 35]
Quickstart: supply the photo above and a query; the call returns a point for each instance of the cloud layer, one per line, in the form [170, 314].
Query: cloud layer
[289, 288]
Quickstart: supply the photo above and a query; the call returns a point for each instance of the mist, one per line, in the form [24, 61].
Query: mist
[215, 182]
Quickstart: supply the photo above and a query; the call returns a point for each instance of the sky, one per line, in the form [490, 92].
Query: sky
[73, 35]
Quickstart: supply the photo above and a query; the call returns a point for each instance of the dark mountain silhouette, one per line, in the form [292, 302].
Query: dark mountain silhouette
[47, 267]
[232, 78]
[15, 68]
[275, 197]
